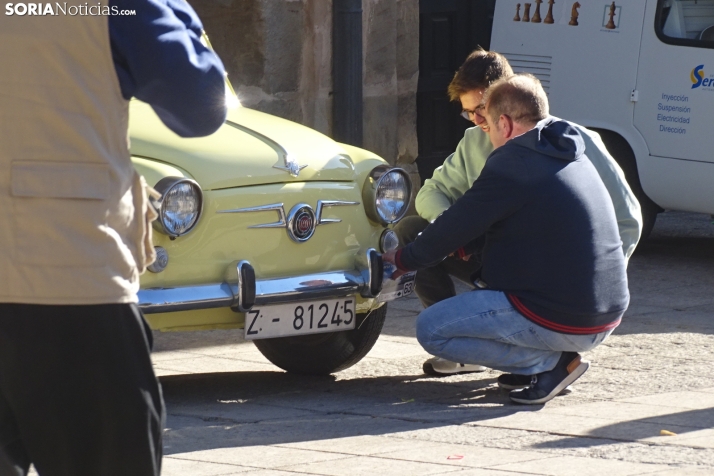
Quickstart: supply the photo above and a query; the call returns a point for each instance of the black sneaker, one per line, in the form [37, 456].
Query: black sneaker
[545, 386]
[514, 381]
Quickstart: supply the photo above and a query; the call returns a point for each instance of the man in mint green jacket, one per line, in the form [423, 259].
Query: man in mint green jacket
[451, 180]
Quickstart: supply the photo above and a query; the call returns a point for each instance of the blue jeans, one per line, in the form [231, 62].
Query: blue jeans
[481, 327]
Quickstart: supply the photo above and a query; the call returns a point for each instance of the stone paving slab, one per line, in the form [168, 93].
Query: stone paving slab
[395, 312]
[185, 465]
[582, 426]
[602, 448]
[463, 455]
[641, 412]
[159, 358]
[237, 411]
[210, 364]
[685, 472]
[187, 434]
[385, 349]
[265, 457]
[240, 351]
[364, 445]
[267, 472]
[694, 439]
[701, 399]
[570, 465]
[370, 466]
[468, 435]
[487, 472]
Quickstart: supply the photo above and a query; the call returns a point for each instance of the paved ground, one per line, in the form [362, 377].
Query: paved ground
[231, 412]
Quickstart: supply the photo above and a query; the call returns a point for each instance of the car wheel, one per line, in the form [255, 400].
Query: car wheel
[322, 354]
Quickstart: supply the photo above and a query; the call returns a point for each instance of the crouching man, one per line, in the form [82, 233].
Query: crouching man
[553, 268]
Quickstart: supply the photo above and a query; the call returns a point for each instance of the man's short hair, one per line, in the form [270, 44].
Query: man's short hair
[480, 69]
[521, 97]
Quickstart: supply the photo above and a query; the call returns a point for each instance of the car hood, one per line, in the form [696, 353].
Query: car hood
[251, 148]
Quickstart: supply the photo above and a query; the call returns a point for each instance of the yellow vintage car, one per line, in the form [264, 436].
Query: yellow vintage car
[270, 226]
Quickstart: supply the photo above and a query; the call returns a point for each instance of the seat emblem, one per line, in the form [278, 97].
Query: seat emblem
[301, 221]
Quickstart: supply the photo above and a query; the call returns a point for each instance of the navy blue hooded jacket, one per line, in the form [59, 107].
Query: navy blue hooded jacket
[552, 243]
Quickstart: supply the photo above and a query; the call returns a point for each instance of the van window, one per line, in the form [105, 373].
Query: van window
[686, 22]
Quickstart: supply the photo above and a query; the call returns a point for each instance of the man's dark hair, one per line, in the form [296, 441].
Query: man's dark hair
[480, 69]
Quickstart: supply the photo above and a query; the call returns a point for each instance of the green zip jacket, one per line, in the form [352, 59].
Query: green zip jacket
[462, 168]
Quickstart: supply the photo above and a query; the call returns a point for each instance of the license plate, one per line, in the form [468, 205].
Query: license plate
[280, 320]
[396, 288]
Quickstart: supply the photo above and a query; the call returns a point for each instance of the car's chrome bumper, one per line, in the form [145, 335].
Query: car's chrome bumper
[241, 290]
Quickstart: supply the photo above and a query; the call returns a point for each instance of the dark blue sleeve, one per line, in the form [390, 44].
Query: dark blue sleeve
[500, 190]
[160, 60]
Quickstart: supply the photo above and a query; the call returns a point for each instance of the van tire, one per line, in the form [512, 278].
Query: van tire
[625, 157]
[323, 354]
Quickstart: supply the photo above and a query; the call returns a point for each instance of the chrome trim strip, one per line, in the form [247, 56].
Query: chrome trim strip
[308, 287]
[188, 298]
[268, 291]
[284, 220]
[278, 207]
[322, 204]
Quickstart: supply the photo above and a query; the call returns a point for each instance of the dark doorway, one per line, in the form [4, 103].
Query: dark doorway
[448, 31]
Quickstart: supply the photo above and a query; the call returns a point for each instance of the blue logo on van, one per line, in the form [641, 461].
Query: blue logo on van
[697, 77]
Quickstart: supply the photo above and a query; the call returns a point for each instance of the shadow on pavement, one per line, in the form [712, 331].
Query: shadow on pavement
[680, 423]
[250, 408]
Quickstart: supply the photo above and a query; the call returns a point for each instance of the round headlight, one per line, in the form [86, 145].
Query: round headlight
[181, 205]
[386, 194]
[389, 241]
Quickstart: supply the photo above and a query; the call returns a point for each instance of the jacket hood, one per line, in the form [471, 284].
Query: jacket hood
[555, 138]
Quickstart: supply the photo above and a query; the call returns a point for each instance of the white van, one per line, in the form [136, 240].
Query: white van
[639, 72]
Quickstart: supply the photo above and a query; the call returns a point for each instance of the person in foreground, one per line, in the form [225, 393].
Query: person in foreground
[78, 393]
[553, 273]
[458, 172]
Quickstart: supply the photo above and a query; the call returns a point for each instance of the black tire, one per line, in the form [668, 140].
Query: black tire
[625, 157]
[323, 354]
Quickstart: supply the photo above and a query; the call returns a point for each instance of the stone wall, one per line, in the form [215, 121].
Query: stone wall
[278, 54]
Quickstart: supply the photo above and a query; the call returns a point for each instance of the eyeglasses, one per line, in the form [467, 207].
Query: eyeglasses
[476, 115]
[466, 114]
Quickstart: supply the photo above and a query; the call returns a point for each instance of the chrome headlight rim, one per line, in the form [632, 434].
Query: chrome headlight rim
[164, 186]
[388, 234]
[371, 186]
